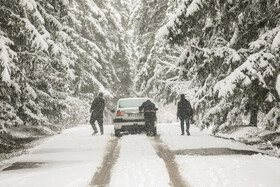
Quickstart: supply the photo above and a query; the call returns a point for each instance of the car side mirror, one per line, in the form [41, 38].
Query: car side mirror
[113, 110]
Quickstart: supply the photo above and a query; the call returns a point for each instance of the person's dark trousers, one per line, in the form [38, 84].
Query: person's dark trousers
[100, 123]
[187, 120]
[149, 121]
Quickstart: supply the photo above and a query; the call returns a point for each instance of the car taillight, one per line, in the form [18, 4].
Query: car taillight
[119, 113]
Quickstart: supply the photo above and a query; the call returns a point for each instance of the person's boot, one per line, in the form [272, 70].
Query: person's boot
[101, 130]
[183, 133]
[95, 131]
[188, 132]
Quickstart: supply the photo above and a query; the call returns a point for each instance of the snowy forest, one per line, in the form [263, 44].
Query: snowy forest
[57, 55]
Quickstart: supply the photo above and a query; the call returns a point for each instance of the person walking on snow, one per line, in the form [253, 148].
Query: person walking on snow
[184, 113]
[96, 110]
[150, 116]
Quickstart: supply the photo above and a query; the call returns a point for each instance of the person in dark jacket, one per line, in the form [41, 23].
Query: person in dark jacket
[184, 113]
[150, 116]
[96, 110]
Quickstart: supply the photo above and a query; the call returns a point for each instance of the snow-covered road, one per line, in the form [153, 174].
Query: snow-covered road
[68, 159]
[227, 168]
[138, 164]
[76, 158]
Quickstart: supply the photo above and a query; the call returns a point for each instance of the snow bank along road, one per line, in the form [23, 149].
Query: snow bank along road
[76, 158]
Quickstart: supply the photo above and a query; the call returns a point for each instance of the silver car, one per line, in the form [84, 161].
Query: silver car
[127, 116]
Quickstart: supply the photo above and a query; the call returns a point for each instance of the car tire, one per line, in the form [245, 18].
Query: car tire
[117, 132]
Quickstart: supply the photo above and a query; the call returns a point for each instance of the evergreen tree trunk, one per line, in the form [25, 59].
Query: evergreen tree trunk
[254, 115]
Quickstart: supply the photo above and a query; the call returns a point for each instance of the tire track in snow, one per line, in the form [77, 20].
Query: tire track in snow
[138, 164]
[169, 159]
[103, 175]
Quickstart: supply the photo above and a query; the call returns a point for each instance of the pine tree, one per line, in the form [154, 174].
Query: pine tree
[230, 62]
[25, 23]
[150, 17]
[56, 55]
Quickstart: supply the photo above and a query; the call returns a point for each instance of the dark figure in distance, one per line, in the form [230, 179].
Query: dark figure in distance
[150, 116]
[96, 110]
[184, 113]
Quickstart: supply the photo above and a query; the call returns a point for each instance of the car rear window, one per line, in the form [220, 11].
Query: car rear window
[130, 103]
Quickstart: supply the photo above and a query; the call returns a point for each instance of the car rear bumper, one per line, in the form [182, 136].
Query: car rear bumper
[131, 128]
[129, 124]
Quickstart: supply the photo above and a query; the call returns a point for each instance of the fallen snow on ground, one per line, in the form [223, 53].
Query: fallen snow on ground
[171, 134]
[69, 159]
[138, 164]
[230, 171]
[241, 133]
[265, 140]
[222, 170]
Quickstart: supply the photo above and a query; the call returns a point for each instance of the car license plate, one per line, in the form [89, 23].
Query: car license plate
[137, 115]
[133, 115]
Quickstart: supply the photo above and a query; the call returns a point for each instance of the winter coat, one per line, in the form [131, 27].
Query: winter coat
[184, 109]
[148, 106]
[149, 111]
[97, 108]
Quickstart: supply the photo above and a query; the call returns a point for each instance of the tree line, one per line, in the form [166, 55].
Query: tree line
[224, 55]
[56, 55]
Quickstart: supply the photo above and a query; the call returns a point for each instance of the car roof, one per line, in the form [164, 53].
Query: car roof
[133, 98]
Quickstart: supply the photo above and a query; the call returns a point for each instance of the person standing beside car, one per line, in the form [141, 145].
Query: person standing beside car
[150, 116]
[96, 110]
[184, 113]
